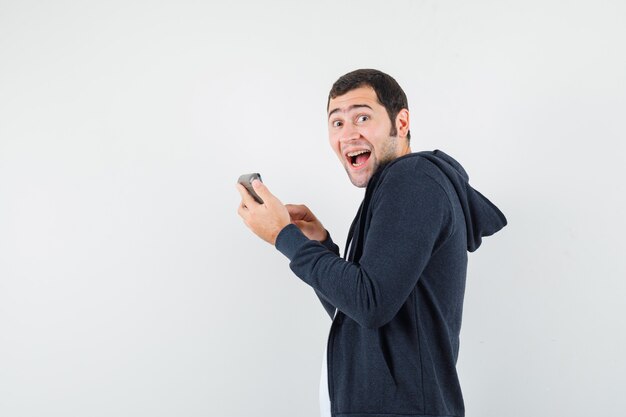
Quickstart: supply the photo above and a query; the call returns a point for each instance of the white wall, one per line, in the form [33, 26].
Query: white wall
[129, 286]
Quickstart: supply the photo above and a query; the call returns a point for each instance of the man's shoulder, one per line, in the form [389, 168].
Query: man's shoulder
[415, 181]
[410, 167]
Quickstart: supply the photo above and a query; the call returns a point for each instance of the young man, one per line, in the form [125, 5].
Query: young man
[396, 296]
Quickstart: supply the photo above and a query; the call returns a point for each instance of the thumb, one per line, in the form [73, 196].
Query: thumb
[261, 189]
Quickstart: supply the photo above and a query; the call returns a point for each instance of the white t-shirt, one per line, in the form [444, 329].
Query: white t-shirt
[324, 397]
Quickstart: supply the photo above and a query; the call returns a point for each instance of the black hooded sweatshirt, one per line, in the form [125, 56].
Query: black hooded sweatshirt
[393, 344]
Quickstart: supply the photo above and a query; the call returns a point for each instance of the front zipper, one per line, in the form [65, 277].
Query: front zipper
[350, 257]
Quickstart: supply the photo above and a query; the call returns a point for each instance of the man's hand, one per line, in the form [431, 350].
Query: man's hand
[302, 217]
[265, 220]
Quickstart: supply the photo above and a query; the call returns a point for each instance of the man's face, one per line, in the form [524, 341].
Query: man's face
[358, 122]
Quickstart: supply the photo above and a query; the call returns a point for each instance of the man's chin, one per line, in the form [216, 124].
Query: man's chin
[359, 180]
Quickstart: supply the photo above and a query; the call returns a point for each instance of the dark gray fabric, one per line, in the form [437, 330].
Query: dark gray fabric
[330, 309]
[393, 346]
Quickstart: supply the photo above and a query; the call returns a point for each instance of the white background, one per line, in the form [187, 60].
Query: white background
[129, 286]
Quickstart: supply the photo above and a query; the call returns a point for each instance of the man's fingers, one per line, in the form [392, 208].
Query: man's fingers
[261, 190]
[300, 212]
[293, 209]
[297, 212]
[248, 200]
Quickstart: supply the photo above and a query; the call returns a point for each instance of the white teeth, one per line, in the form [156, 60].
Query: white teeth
[355, 153]
[351, 154]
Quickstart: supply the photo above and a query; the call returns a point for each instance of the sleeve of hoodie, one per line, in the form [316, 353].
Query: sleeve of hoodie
[411, 218]
[330, 309]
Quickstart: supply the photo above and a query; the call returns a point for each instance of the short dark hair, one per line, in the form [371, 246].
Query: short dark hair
[389, 93]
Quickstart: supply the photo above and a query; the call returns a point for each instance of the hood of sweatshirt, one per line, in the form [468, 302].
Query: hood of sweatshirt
[482, 217]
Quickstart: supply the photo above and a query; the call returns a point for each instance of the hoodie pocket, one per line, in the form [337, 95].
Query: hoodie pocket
[385, 350]
[372, 373]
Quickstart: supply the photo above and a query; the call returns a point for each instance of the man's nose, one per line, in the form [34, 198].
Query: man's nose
[349, 132]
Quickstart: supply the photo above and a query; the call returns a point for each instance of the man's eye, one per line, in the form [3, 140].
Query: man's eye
[336, 123]
[362, 118]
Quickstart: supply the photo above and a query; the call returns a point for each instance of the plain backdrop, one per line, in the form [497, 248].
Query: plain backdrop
[129, 285]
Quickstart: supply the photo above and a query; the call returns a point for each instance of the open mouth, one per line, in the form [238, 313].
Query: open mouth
[358, 158]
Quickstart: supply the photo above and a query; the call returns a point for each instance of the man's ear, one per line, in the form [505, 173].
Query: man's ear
[402, 122]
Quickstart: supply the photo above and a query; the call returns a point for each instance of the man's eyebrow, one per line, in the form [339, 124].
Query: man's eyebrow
[354, 106]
